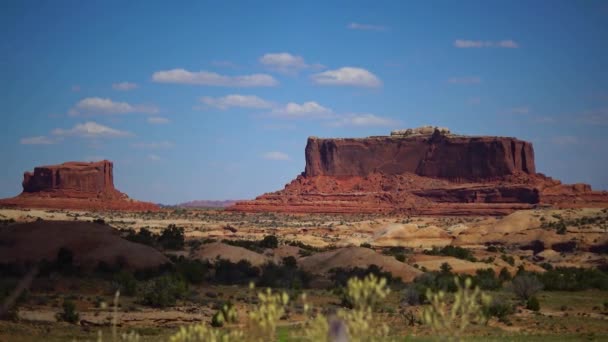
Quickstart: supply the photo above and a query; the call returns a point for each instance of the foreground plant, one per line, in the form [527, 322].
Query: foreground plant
[451, 319]
[357, 324]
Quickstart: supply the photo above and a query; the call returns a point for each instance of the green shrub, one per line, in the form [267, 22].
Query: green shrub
[269, 241]
[533, 304]
[526, 286]
[69, 313]
[172, 238]
[453, 251]
[163, 291]
[574, 279]
[487, 280]
[127, 284]
[499, 309]
[193, 271]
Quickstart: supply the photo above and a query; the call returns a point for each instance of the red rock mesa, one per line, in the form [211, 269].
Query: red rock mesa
[425, 170]
[74, 185]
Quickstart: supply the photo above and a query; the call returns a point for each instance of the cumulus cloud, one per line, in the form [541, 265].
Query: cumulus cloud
[91, 130]
[124, 86]
[366, 27]
[275, 155]
[283, 62]
[465, 80]
[236, 100]
[464, 44]
[154, 145]
[363, 120]
[182, 76]
[310, 109]
[347, 76]
[98, 105]
[39, 140]
[158, 120]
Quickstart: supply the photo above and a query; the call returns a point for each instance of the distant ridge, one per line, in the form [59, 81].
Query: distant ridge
[207, 204]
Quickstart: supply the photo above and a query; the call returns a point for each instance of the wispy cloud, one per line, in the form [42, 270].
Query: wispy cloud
[236, 100]
[158, 120]
[286, 63]
[594, 117]
[310, 109]
[206, 78]
[124, 86]
[160, 145]
[464, 44]
[465, 80]
[366, 27]
[275, 155]
[363, 120]
[90, 130]
[347, 76]
[519, 110]
[39, 140]
[97, 105]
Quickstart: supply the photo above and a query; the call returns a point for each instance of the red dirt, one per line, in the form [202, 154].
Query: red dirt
[74, 185]
[432, 175]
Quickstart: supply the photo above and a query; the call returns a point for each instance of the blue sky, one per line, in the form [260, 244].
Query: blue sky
[215, 100]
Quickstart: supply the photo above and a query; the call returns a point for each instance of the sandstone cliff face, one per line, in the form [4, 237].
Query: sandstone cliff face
[73, 177]
[74, 185]
[438, 156]
[435, 173]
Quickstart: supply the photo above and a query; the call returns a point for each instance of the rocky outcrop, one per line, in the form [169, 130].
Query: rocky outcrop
[415, 171]
[74, 185]
[437, 156]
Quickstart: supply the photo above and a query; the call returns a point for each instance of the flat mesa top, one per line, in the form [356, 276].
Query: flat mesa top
[75, 164]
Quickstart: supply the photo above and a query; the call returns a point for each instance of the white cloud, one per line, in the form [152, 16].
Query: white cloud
[91, 130]
[308, 109]
[236, 100]
[366, 27]
[154, 157]
[98, 105]
[283, 62]
[40, 140]
[154, 145]
[544, 120]
[348, 76]
[157, 120]
[464, 44]
[207, 78]
[363, 120]
[465, 80]
[124, 86]
[275, 155]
